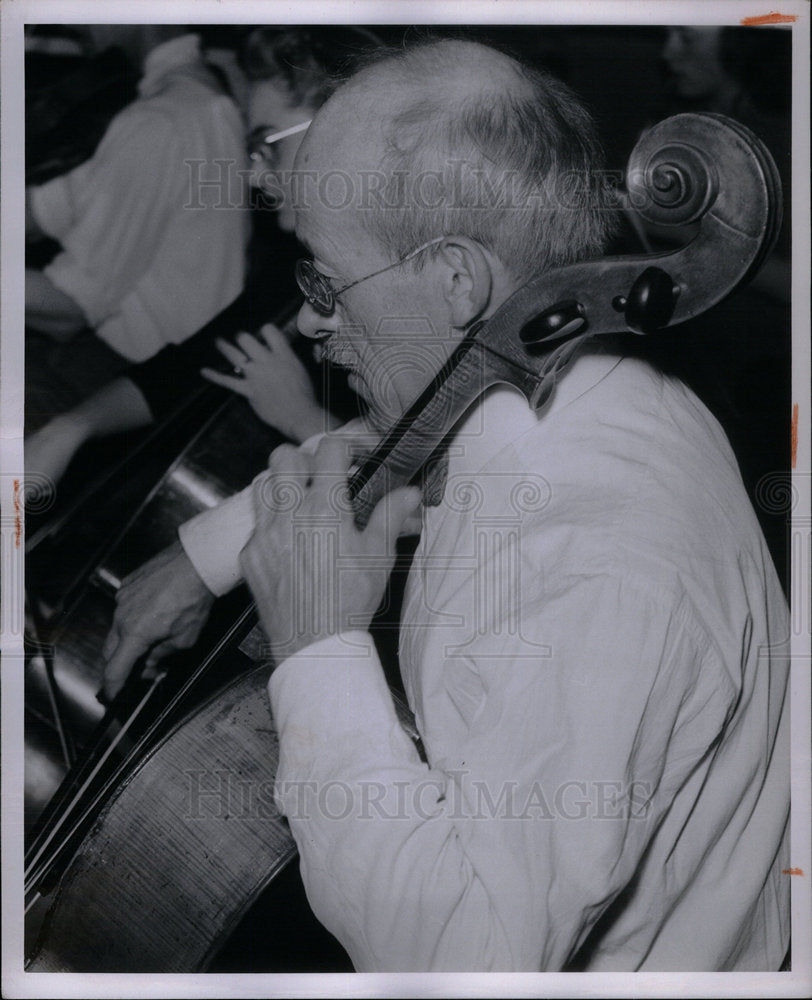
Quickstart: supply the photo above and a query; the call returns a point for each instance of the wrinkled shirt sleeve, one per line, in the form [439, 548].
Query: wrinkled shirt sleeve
[110, 211]
[213, 539]
[502, 853]
[146, 265]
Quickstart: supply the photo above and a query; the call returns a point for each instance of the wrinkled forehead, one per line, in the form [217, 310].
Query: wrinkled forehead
[332, 234]
[334, 169]
[347, 132]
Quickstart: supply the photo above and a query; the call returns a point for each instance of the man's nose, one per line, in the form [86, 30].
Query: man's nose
[261, 176]
[313, 325]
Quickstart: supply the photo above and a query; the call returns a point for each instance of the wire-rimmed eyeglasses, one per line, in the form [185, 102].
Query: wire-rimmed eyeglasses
[318, 289]
[261, 142]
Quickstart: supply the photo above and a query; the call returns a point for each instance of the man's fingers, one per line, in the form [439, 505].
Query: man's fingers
[112, 641]
[226, 381]
[251, 346]
[393, 512]
[230, 352]
[123, 659]
[287, 458]
[361, 439]
[274, 338]
[163, 649]
[335, 454]
[283, 486]
[184, 639]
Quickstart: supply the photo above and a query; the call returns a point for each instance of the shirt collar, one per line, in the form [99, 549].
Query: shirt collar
[503, 414]
[165, 58]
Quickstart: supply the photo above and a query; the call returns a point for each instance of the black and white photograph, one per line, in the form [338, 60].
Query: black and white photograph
[406, 533]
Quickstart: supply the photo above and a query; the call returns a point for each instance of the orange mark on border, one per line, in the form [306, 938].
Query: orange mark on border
[772, 18]
[792, 871]
[18, 526]
[794, 435]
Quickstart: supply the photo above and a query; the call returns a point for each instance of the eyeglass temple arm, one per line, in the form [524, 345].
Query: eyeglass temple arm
[388, 267]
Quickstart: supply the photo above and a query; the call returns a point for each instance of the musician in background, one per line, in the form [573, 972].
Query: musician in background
[591, 638]
[290, 73]
[131, 221]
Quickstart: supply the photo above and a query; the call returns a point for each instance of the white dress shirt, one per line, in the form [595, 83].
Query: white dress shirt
[593, 641]
[150, 254]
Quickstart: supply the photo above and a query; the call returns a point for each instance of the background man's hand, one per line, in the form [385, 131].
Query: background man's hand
[275, 383]
[311, 571]
[162, 607]
[49, 309]
[49, 451]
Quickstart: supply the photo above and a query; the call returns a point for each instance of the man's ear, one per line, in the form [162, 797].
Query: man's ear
[466, 279]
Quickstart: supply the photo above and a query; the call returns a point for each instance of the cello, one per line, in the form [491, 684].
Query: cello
[169, 866]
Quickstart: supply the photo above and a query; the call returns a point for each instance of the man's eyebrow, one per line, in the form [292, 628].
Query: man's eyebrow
[312, 254]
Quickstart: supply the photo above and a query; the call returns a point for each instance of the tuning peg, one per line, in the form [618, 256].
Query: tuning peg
[650, 302]
[564, 319]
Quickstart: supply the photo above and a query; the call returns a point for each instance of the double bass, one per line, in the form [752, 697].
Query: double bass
[182, 842]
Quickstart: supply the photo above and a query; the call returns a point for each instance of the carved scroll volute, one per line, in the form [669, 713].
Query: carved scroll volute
[710, 169]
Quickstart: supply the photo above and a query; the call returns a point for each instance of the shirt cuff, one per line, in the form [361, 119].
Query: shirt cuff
[214, 539]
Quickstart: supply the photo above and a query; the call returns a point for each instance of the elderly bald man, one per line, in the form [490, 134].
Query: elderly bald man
[595, 673]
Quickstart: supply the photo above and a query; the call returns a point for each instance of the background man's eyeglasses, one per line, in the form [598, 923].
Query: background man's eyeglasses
[318, 289]
[261, 142]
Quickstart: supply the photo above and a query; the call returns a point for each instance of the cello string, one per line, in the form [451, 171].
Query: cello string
[113, 744]
[33, 876]
[57, 715]
[46, 654]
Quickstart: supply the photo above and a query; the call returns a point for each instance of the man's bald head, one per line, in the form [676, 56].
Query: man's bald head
[462, 139]
[452, 70]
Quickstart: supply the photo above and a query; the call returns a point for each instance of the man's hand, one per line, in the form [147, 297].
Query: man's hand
[33, 230]
[50, 310]
[161, 608]
[275, 383]
[48, 451]
[312, 572]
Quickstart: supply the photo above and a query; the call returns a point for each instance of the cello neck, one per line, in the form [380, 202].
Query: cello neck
[422, 430]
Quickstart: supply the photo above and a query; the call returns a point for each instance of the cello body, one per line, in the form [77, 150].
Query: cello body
[233, 844]
[230, 447]
[188, 841]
